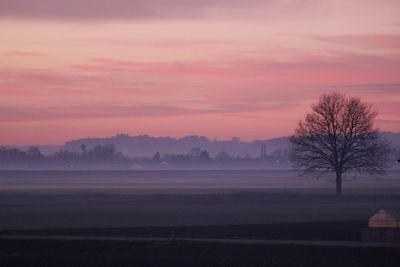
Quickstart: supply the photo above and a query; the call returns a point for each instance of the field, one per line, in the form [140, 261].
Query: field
[269, 205]
[91, 253]
[37, 200]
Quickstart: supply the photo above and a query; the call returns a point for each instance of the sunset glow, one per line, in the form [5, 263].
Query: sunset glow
[82, 68]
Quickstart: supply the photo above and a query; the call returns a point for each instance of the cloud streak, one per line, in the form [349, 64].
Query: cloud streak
[177, 67]
[99, 111]
[385, 88]
[371, 41]
[19, 53]
[92, 112]
[113, 9]
[218, 82]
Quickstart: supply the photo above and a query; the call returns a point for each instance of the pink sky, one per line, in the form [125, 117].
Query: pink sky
[247, 68]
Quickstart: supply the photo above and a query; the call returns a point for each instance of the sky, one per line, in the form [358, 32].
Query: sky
[248, 68]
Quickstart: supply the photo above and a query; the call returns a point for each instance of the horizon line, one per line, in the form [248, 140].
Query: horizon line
[215, 139]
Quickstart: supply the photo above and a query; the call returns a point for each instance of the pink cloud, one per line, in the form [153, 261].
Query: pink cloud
[312, 69]
[218, 68]
[240, 79]
[29, 83]
[113, 9]
[19, 53]
[191, 93]
[372, 41]
[27, 113]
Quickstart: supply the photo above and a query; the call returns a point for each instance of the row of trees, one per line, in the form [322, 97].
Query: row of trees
[196, 154]
[108, 155]
[101, 154]
[14, 154]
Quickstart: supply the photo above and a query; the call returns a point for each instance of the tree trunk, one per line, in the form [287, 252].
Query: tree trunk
[338, 183]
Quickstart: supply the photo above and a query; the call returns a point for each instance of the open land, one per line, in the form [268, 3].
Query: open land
[247, 205]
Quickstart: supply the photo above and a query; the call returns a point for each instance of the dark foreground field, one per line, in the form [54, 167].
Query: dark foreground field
[158, 219]
[181, 253]
[323, 231]
[25, 248]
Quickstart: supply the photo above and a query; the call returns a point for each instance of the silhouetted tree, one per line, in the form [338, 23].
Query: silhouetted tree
[204, 155]
[12, 155]
[34, 153]
[177, 157]
[338, 136]
[102, 153]
[65, 156]
[83, 149]
[195, 152]
[157, 156]
[222, 156]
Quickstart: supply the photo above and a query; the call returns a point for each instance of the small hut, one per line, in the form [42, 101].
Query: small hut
[383, 226]
[385, 218]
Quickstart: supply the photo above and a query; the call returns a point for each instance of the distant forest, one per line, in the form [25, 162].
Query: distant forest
[107, 157]
[201, 153]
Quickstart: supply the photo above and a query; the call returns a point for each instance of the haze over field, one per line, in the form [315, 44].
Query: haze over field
[82, 199]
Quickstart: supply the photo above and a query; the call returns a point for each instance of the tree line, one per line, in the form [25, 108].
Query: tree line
[33, 156]
[108, 156]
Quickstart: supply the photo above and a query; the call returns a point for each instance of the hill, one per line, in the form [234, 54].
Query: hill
[147, 146]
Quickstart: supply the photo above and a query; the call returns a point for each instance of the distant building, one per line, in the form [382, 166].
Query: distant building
[235, 139]
[263, 152]
[383, 226]
[137, 167]
[385, 218]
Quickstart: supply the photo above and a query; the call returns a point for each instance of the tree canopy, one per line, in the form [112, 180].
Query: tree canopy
[338, 136]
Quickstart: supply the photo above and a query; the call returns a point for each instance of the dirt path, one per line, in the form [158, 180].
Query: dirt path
[208, 240]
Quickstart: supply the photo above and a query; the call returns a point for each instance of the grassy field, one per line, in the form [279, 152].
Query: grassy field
[109, 253]
[218, 204]
[326, 231]
[38, 211]
[57, 199]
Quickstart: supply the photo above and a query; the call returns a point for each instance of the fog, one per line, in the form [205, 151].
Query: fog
[182, 181]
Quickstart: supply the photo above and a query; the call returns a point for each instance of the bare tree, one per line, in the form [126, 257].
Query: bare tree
[338, 136]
